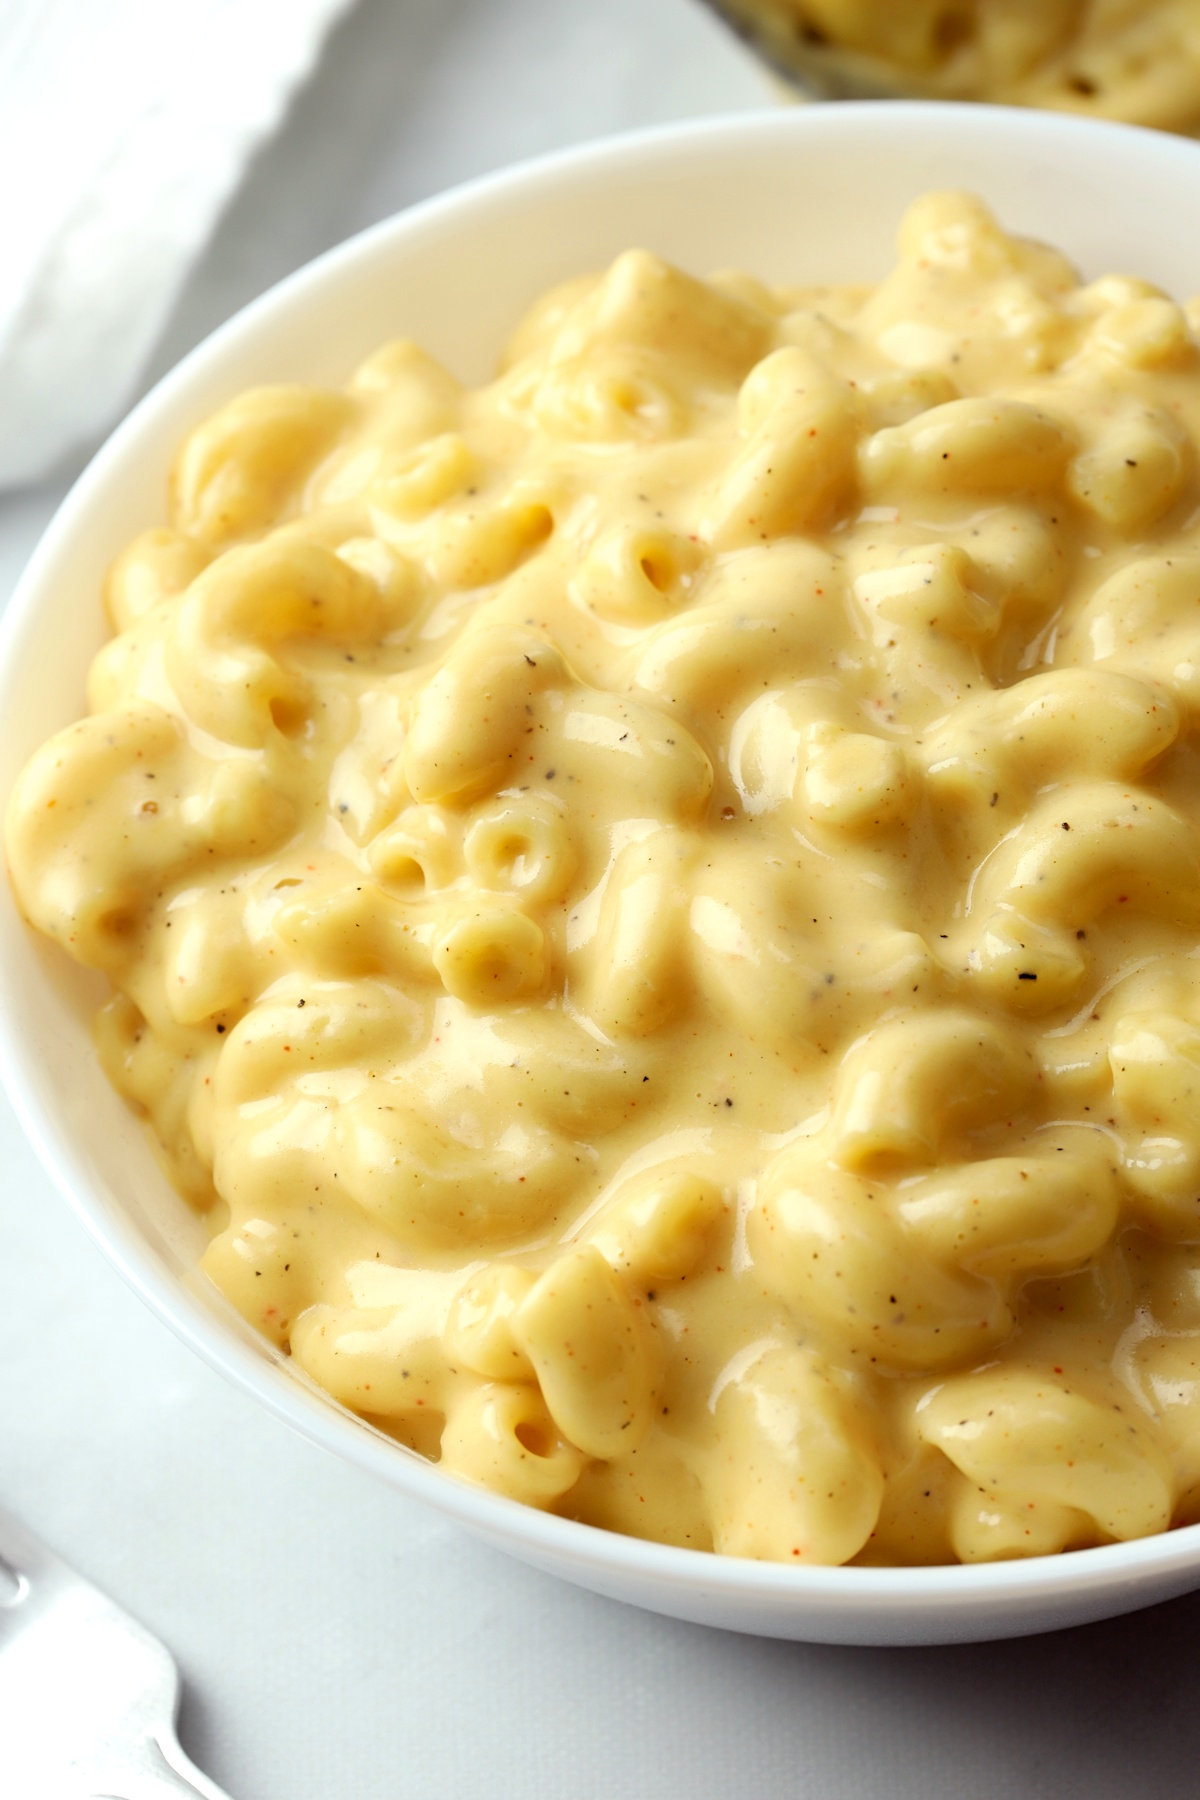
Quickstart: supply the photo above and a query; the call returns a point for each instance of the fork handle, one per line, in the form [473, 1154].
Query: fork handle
[171, 1775]
[184, 1778]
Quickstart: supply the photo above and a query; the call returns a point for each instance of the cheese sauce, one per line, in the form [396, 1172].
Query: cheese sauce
[654, 904]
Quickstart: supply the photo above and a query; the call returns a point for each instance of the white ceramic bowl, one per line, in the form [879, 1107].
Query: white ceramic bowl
[807, 194]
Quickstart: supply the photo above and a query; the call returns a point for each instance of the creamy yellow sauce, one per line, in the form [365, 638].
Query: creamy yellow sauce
[655, 903]
[1137, 60]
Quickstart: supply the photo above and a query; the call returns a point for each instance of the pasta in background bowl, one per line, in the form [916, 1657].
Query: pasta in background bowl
[702, 198]
[1136, 62]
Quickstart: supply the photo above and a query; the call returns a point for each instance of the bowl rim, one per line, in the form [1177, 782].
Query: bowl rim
[961, 1589]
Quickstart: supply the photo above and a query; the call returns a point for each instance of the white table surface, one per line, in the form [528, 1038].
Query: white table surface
[336, 1642]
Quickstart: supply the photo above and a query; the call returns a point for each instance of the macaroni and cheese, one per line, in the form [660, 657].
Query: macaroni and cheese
[656, 904]
[1106, 59]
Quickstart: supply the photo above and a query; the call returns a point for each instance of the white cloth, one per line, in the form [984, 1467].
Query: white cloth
[125, 128]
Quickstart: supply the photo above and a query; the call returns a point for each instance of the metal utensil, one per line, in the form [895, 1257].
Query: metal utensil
[87, 1696]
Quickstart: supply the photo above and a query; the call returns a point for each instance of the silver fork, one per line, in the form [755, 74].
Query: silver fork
[87, 1696]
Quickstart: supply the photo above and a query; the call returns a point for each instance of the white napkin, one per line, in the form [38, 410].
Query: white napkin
[125, 126]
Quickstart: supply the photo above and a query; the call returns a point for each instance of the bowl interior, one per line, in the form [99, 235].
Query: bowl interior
[797, 196]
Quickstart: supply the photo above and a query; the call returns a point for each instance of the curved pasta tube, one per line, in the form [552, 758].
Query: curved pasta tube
[1142, 621]
[1135, 471]
[920, 1083]
[636, 974]
[284, 1088]
[856, 782]
[479, 1327]
[470, 718]
[435, 1178]
[87, 875]
[365, 1025]
[242, 469]
[411, 402]
[522, 843]
[1080, 851]
[768, 740]
[393, 574]
[703, 657]
[1021, 566]
[634, 342]
[659, 1224]
[1060, 726]
[1141, 329]
[366, 778]
[489, 952]
[157, 565]
[979, 445]
[710, 645]
[880, 967]
[761, 967]
[127, 670]
[1028, 1442]
[643, 302]
[955, 232]
[609, 393]
[540, 329]
[922, 654]
[501, 1436]
[828, 1243]
[636, 575]
[402, 487]
[653, 1494]
[796, 1476]
[796, 470]
[382, 1360]
[560, 1072]
[475, 548]
[894, 396]
[751, 960]
[337, 928]
[421, 849]
[265, 1270]
[77, 880]
[799, 745]
[622, 745]
[168, 1085]
[216, 647]
[210, 963]
[343, 1076]
[591, 1351]
[419, 391]
[285, 587]
[1013, 1217]
[932, 587]
[1154, 1057]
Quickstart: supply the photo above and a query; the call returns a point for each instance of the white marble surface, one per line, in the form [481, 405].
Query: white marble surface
[336, 1642]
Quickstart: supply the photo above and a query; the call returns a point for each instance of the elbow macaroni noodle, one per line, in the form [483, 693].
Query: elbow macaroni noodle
[656, 905]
